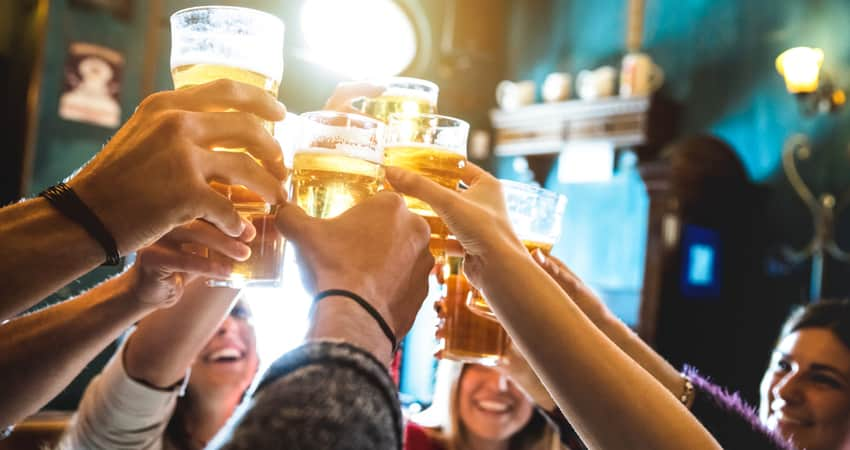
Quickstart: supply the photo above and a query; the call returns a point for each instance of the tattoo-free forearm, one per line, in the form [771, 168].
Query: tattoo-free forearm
[42, 251]
[42, 352]
[166, 342]
[623, 406]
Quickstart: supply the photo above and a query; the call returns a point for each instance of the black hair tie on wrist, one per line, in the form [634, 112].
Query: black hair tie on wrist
[388, 332]
[64, 199]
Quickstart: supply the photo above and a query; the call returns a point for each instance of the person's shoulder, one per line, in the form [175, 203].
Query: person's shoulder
[416, 437]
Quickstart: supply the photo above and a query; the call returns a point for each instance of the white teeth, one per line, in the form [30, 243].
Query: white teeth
[491, 406]
[226, 353]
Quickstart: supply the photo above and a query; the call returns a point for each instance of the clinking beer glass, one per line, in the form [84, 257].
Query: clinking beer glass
[466, 336]
[433, 146]
[222, 42]
[536, 216]
[337, 162]
[401, 95]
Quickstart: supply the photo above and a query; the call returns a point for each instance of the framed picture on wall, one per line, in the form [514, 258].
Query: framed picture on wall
[122, 9]
[91, 85]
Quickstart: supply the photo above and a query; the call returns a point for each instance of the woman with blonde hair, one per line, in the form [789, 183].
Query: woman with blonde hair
[477, 407]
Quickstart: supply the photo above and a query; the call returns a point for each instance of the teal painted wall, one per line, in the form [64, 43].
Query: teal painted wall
[718, 57]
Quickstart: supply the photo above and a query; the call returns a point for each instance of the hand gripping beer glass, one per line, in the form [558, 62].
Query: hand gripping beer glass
[401, 95]
[536, 216]
[215, 42]
[466, 336]
[337, 162]
[433, 146]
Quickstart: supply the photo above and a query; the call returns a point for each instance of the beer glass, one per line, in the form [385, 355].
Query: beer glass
[433, 146]
[223, 42]
[467, 336]
[401, 95]
[536, 215]
[337, 162]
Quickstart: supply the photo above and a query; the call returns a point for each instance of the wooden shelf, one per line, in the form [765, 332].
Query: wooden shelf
[544, 128]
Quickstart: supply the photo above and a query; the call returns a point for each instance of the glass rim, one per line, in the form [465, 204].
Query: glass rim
[373, 123]
[386, 81]
[242, 9]
[402, 116]
[534, 188]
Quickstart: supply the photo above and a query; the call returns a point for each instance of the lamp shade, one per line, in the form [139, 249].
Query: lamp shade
[801, 67]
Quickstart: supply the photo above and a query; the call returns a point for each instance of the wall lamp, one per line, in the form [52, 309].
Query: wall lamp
[801, 68]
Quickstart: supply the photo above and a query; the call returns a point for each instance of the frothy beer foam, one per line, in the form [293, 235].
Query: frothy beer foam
[350, 150]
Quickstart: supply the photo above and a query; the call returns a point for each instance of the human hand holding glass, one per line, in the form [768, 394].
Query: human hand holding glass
[433, 146]
[211, 43]
[536, 216]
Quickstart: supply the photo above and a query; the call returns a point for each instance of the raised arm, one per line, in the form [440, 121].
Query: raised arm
[335, 390]
[166, 342]
[151, 176]
[612, 402]
[42, 352]
[614, 328]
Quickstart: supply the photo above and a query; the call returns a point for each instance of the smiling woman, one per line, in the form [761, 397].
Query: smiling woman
[478, 407]
[368, 38]
[805, 392]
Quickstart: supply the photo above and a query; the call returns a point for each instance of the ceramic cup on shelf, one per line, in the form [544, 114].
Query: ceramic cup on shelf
[599, 83]
[556, 87]
[514, 94]
[639, 76]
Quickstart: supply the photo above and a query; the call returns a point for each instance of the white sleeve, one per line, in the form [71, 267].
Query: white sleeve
[117, 412]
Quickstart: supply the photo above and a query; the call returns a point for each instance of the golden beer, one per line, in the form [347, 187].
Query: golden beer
[210, 43]
[266, 261]
[466, 336]
[476, 301]
[383, 106]
[440, 165]
[194, 74]
[326, 183]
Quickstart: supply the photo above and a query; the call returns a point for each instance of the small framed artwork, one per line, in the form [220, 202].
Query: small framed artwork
[91, 85]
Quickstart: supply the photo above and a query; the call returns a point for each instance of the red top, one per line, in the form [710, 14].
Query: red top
[415, 438]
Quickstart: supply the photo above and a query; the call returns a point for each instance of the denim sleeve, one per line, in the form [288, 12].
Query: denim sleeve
[322, 395]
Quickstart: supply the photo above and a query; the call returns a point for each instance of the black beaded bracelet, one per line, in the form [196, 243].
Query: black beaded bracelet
[64, 199]
[388, 332]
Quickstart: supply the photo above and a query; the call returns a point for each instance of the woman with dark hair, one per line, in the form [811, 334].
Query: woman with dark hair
[805, 392]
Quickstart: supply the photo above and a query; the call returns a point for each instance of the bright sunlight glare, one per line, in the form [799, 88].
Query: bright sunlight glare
[358, 38]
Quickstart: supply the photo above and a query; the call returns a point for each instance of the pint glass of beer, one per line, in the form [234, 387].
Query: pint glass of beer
[215, 42]
[401, 95]
[536, 216]
[433, 146]
[466, 336]
[337, 163]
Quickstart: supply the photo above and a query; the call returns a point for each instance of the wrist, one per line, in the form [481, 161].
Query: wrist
[340, 318]
[501, 259]
[131, 286]
[102, 203]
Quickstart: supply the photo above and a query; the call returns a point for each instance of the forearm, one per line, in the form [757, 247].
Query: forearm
[630, 343]
[622, 407]
[166, 342]
[340, 319]
[42, 352]
[42, 251]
